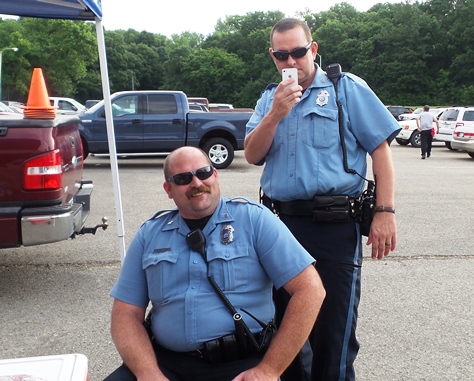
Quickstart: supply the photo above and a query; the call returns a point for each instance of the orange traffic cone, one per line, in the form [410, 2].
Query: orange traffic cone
[38, 105]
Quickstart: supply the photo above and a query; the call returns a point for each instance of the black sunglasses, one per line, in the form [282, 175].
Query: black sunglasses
[185, 178]
[281, 55]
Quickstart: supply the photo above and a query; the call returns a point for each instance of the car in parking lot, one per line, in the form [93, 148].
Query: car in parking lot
[410, 115]
[450, 119]
[463, 139]
[409, 134]
[66, 106]
[396, 110]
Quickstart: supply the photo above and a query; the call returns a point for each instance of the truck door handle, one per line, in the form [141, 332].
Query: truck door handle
[136, 121]
[176, 121]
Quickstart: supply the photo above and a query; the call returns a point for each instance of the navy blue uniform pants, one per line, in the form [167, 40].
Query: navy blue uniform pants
[338, 252]
[182, 367]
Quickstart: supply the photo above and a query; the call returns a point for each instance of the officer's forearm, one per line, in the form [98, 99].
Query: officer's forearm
[307, 295]
[259, 141]
[133, 343]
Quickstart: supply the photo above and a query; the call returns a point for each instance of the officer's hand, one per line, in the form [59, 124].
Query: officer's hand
[287, 94]
[383, 235]
[255, 374]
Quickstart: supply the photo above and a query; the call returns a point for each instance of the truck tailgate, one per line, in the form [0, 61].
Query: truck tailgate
[24, 139]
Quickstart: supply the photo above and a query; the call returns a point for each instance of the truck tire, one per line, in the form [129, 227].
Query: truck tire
[402, 142]
[85, 148]
[449, 146]
[220, 152]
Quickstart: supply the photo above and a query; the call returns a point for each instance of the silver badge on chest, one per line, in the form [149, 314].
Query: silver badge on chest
[322, 98]
[227, 234]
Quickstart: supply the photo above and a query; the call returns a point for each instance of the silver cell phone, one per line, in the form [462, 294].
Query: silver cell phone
[288, 73]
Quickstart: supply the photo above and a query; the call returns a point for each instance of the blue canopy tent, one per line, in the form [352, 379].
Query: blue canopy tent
[87, 10]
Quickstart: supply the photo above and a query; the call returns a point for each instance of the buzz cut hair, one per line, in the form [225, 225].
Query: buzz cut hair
[288, 24]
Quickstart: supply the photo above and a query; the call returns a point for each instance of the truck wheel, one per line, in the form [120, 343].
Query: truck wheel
[220, 152]
[85, 149]
[415, 139]
[402, 142]
[449, 146]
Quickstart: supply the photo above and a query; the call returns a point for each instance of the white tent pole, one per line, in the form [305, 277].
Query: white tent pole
[111, 136]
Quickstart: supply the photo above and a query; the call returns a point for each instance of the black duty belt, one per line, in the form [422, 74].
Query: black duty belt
[222, 349]
[325, 208]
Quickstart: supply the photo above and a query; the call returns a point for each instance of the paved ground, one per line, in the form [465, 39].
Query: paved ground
[416, 315]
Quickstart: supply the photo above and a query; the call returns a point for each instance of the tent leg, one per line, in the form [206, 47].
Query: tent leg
[111, 137]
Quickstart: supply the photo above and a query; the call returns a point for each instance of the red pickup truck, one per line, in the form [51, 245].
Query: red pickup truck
[43, 198]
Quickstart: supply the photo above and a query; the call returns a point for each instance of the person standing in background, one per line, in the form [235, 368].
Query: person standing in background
[424, 123]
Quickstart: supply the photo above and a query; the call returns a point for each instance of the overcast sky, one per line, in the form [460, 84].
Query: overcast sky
[201, 16]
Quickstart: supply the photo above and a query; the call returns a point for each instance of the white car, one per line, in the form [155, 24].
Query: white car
[411, 115]
[67, 106]
[453, 117]
[409, 133]
[463, 139]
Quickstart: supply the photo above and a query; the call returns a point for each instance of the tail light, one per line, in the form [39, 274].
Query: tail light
[43, 172]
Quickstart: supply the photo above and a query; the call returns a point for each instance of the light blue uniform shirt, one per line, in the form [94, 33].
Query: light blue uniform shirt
[249, 250]
[305, 158]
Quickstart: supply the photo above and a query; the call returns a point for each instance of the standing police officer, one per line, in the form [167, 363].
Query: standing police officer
[295, 132]
[246, 251]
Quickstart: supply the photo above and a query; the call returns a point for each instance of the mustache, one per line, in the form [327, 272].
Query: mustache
[194, 191]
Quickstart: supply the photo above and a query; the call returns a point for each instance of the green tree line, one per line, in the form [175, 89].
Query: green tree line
[410, 53]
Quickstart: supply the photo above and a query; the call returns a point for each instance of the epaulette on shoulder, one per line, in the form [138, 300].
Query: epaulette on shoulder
[240, 199]
[271, 86]
[161, 213]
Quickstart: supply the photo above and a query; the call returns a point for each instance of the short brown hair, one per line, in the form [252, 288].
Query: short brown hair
[290, 23]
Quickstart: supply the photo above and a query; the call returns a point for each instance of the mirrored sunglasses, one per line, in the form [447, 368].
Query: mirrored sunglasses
[300, 52]
[185, 178]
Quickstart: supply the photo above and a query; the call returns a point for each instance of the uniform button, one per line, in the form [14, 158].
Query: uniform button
[292, 154]
[291, 174]
[195, 261]
[190, 312]
[193, 287]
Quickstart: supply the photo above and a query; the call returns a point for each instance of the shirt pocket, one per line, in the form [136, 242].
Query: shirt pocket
[229, 265]
[162, 274]
[320, 127]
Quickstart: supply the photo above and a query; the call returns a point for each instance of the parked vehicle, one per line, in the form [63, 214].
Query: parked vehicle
[453, 117]
[12, 103]
[200, 107]
[6, 110]
[159, 122]
[202, 100]
[409, 134]
[410, 115]
[463, 139]
[43, 197]
[66, 106]
[396, 110]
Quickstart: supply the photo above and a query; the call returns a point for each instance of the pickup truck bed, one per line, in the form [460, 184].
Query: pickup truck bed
[43, 197]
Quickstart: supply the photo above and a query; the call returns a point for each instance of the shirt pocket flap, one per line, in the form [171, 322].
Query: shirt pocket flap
[227, 252]
[324, 112]
[152, 259]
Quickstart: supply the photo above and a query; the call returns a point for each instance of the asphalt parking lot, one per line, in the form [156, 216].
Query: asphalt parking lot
[416, 318]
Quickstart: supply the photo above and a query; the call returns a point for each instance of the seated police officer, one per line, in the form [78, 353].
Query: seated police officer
[173, 261]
